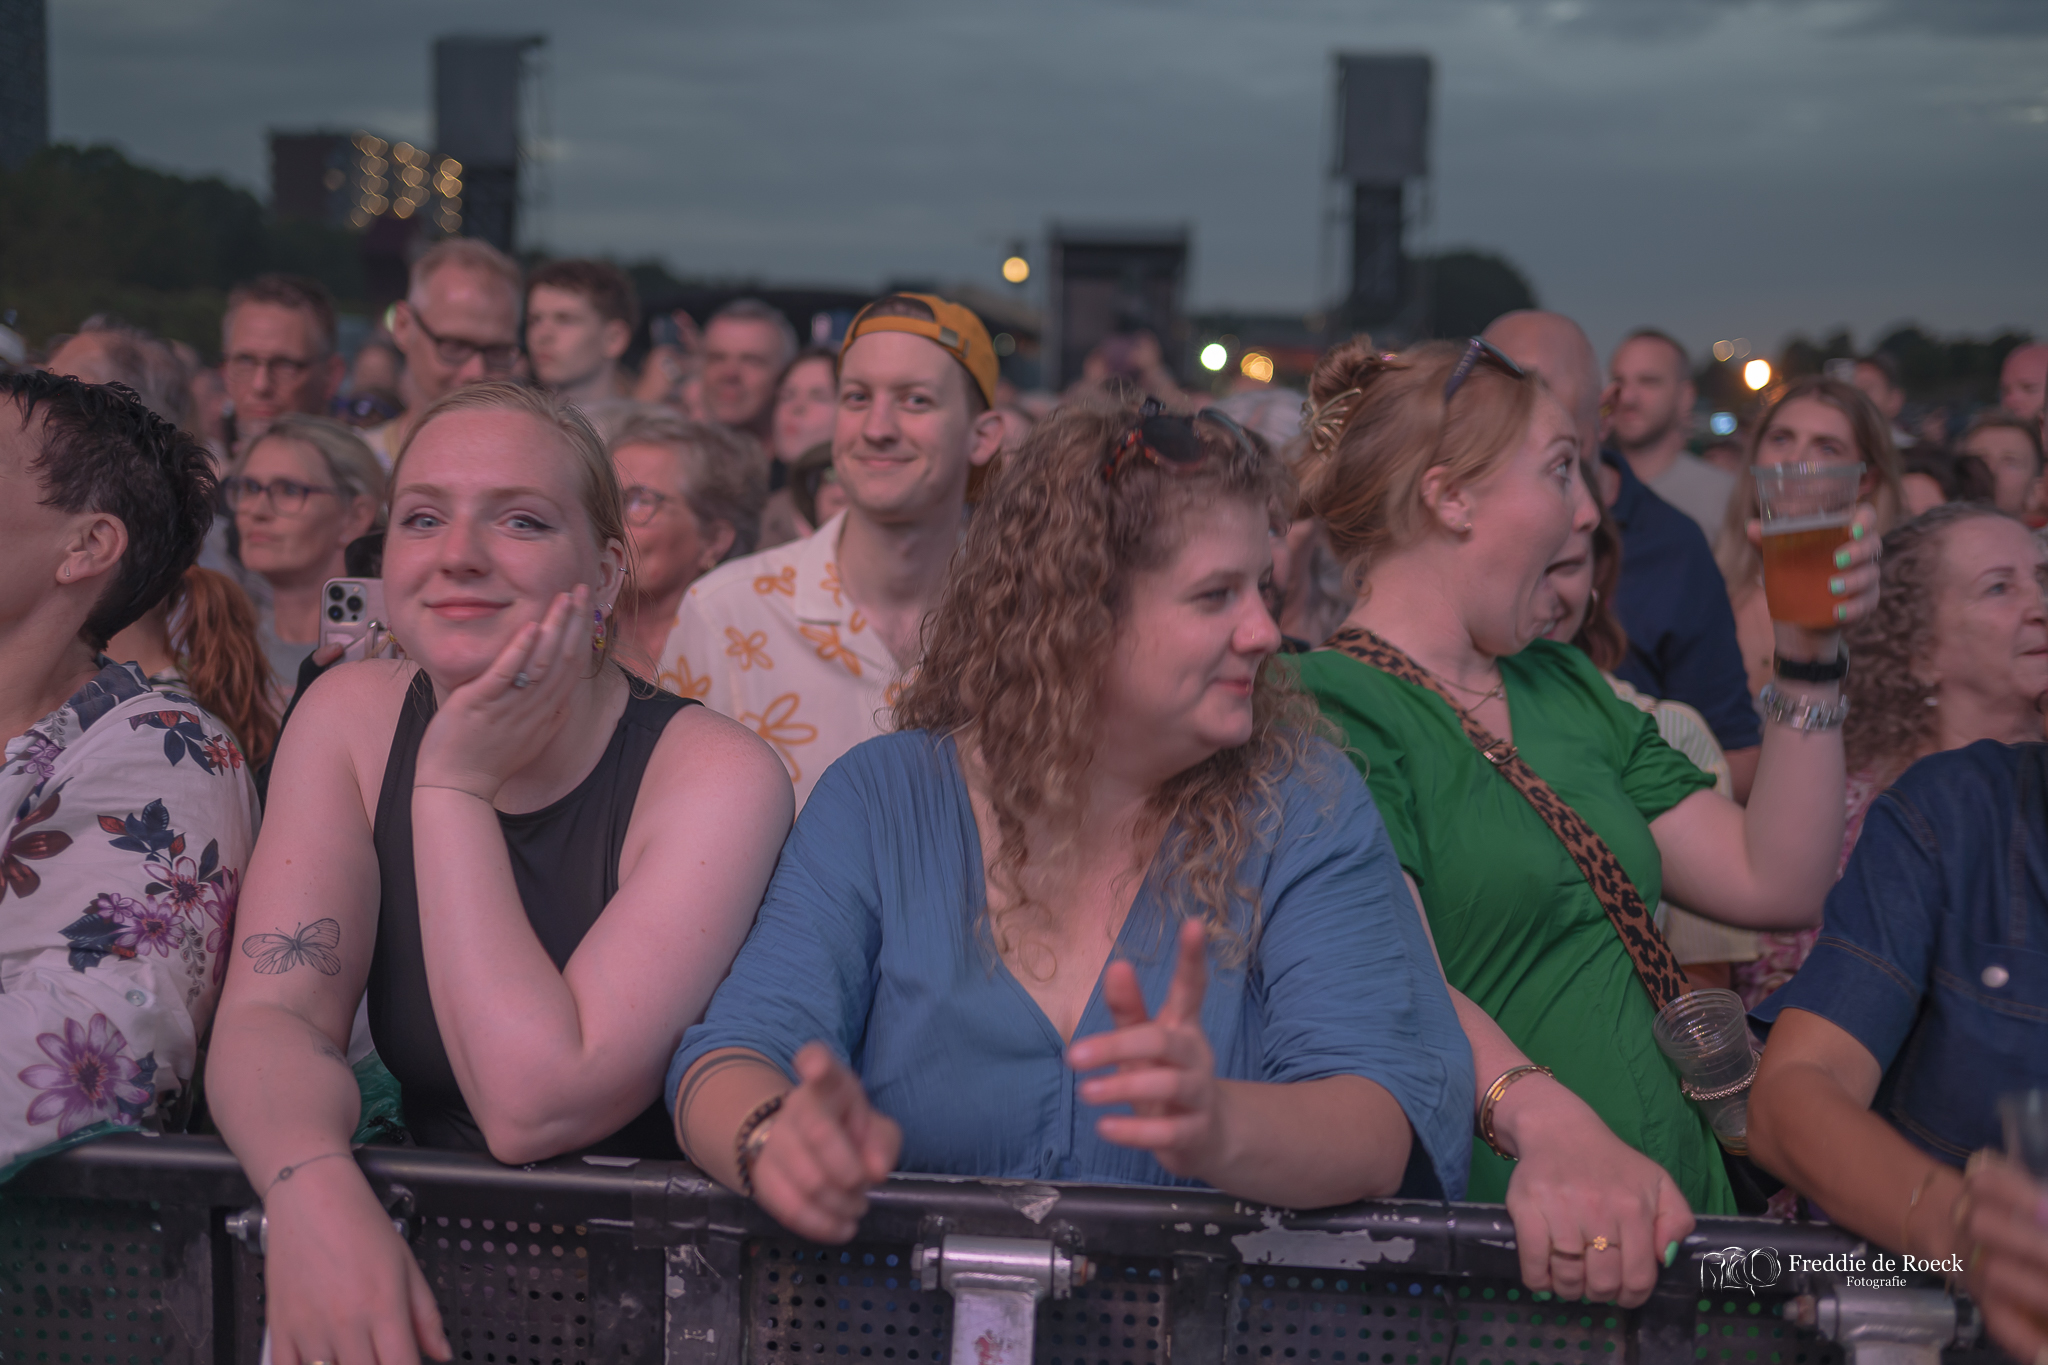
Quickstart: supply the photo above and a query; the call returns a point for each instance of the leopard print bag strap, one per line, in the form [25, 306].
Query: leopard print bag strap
[1655, 967]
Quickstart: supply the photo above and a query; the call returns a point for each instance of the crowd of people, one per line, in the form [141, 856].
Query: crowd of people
[821, 763]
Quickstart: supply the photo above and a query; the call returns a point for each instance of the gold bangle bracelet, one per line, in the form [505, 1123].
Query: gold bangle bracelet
[1482, 1123]
[1913, 1202]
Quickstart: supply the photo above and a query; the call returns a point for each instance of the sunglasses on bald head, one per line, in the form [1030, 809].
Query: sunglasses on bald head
[1166, 440]
[1477, 350]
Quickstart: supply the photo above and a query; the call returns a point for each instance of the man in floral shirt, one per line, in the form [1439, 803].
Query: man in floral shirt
[126, 814]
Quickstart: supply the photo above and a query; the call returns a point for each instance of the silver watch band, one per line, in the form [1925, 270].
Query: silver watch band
[1801, 713]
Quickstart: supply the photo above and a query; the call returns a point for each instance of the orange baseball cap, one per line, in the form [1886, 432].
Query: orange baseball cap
[953, 326]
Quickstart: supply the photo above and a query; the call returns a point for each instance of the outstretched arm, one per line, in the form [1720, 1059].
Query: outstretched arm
[1301, 1144]
[1768, 865]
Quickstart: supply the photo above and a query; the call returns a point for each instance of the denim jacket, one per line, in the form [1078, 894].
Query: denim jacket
[1934, 953]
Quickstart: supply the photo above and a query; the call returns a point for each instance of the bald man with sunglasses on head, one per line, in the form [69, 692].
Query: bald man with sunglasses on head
[808, 643]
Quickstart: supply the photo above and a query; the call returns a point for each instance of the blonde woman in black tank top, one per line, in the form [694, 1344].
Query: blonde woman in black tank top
[538, 867]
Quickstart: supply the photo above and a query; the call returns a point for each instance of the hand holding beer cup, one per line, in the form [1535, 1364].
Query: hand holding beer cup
[1820, 548]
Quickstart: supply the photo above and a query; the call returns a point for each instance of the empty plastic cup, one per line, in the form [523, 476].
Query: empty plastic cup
[1706, 1036]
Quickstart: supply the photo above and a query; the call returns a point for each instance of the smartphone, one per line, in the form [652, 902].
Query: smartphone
[352, 615]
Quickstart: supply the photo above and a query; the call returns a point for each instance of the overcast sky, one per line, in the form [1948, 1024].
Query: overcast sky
[1718, 167]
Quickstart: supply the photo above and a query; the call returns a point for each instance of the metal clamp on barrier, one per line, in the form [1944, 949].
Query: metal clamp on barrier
[1887, 1326]
[996, 1284]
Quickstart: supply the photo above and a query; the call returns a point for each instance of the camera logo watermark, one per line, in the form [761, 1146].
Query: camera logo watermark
[1731, 1269]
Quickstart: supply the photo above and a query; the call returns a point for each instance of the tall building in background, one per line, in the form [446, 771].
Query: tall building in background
[1382, 145]
[24, 80]
[477, 81]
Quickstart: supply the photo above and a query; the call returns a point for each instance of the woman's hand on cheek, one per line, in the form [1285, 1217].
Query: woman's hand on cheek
[1165, 1070]
[496, 723]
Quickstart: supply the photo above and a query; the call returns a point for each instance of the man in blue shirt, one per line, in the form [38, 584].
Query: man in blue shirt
[1681, 630]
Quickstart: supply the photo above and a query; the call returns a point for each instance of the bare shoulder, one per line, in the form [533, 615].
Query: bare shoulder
[348, 714]
[701, 750]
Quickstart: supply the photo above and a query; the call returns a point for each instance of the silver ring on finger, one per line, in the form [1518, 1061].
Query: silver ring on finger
[520, 679]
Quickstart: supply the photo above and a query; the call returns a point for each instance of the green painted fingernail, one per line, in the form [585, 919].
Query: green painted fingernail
[1838, 586]
[1841, 560]
[1842, 612]
[1856, 531]
[1670, 1252]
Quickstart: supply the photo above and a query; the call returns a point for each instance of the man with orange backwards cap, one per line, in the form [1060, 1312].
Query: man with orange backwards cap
[808, 642]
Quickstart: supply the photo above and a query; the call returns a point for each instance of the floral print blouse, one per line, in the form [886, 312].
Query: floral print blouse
[126, 820]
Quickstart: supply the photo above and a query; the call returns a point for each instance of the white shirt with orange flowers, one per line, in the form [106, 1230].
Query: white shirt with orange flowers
[772, 641]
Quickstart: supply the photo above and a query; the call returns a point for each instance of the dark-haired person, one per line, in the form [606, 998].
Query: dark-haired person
[1956, 652]
[2010, 448]
[1651, 397]
[747, 346]
[2023, 381]
[537, 866]
[1811, 421]
[693, 500]
[580, 318]
[807, 643]
[1450, 482]
[279, 352]
[126, 811]
[806, 409]
[1877, 375]
[1108, 907]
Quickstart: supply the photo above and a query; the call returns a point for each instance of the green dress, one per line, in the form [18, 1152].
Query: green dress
[1519, 930]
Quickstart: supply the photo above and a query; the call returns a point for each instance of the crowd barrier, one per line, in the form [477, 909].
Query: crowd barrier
[147, 1251]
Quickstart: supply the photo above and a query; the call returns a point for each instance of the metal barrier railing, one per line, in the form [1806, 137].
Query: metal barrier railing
[147, 1251]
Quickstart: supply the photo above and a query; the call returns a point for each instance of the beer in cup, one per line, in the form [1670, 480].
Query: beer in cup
[1806, 511]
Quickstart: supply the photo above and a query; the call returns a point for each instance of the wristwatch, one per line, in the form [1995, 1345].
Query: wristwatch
[1817, 671]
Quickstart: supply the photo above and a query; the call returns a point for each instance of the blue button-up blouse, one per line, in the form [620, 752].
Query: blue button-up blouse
[871, 938]
[1934, 952]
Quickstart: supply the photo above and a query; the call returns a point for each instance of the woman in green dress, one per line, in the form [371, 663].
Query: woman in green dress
[1450, 481]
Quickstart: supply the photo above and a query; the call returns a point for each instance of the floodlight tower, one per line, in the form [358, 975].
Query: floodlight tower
[477, 83]
[1381, 153]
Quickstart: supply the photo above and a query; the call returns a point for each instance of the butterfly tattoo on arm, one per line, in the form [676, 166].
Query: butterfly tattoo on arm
[310, 943]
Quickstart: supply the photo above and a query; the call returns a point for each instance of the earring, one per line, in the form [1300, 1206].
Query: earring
[597, 636]
[67, 575]
[1466, 529]
[1933, 700]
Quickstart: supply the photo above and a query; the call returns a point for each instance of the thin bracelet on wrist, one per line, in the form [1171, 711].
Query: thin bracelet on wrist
[1913, 1202]
[1482, 1122]
[752, 1137]
[285, 1173]
[1802, 713]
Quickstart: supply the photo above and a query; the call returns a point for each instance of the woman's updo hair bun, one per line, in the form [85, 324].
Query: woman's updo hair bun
[1376, 423]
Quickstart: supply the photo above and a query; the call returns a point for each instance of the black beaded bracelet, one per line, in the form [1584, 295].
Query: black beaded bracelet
[1832, 670]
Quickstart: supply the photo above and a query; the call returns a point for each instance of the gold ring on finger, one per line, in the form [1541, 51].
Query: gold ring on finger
[1568, 1255]
[1601, 1244]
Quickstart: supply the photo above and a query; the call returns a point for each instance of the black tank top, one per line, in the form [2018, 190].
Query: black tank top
[565, 862]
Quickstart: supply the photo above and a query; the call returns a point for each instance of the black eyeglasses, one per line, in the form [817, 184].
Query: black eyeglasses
[285, 495]
[499, 358]
[1167, 441]
[1479, 349]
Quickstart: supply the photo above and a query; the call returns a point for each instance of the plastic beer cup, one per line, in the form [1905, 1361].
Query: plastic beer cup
[1806, 511]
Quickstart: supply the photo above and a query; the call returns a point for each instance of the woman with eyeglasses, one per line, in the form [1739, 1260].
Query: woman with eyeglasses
[1536, 814]
[694, 493]
[300, 494]
[1108, 907]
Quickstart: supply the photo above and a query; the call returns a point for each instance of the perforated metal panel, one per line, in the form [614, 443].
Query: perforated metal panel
[859, 1301]
[1413, 1320]
[511, 1291]
[102, 1283]
[1118, 1318]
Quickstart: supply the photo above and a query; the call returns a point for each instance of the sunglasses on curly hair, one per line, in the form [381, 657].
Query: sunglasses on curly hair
[1477, 350]
[1167, 441]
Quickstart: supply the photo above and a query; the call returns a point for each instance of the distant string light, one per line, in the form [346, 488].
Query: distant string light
[1257, 366]
[1016, 269]
[1215, 356]
[1757, 374]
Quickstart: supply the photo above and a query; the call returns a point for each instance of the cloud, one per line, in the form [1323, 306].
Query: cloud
[1721, 166]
